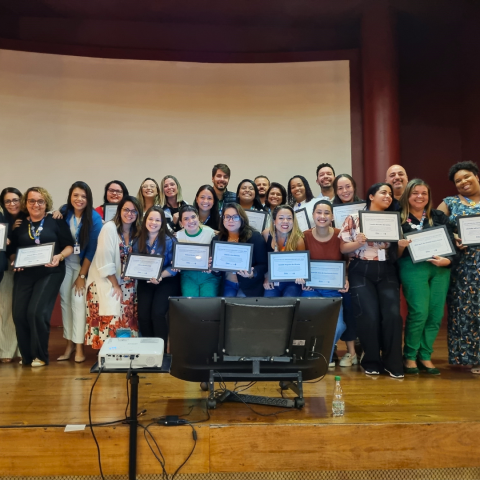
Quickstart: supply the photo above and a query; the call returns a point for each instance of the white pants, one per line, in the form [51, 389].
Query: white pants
[74, 308]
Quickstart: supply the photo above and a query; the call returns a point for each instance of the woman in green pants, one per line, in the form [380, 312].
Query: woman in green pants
[425, 284]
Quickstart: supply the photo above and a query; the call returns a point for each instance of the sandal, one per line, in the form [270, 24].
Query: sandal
[6, 360]
[475, 370]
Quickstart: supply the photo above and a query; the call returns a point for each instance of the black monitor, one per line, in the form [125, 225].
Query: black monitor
[195, 328]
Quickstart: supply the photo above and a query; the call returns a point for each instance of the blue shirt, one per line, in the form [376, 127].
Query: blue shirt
[162, 250]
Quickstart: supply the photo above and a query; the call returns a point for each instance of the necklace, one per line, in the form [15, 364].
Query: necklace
[420, 225]
[235, 240]
[470, 202]
[35, 234]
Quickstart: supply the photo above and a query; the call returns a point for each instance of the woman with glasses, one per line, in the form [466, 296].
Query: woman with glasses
[36, 288]
[234, 227]
[156, 239]
[148, 195]
[206, 202]
[283, 236]
[85, 225]
[171, 199]
[112, 300]
[195, 283]
[114, 192]
[10, 199]
[248, 197]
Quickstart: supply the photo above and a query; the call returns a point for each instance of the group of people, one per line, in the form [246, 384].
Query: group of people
[99, 301]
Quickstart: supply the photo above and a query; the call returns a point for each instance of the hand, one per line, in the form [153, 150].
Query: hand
[361, 239]
[57, 215]
[300, 281]
[460, 246]
[245, 273]
[117, 292]
[439, 261]
[267, 285]
[175, 218]
[55, 261]
[404, 242]
[16, 269]
[307, 289]
[154, 281]
[79, 286]
[8, 241]
[345, 288]
[127, 279]
[17, 223]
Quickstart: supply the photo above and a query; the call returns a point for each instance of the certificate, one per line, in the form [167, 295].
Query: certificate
[109, 211]
[36, 256]
[231, 256]
[143, 266]
[288, 266]
[327, 274]
[257, 220]
[190, 256]
[380, 226]
[468, 230]
[429, 242]
[342, 211]
[303, 220]
[3, 236]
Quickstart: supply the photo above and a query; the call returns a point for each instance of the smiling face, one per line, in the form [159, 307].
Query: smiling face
[12, 203]
[129, 213]
[205, 200]
[382, 199]
[149, 189]
[79, 199]
[115, 193]
[36, 205]
[397, 178]
[170, 188]
[231, 220]
[297, 189]
[263, 185]
[220, 180]
[275, 197]
[153, 222]
[466, 182]
[325, 177]
[323, 216]
[190, 222]
[418, 198]
[345, 190]
[246, 193]
[284, 221]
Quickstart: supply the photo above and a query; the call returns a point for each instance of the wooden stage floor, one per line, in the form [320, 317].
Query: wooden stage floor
[420, 422]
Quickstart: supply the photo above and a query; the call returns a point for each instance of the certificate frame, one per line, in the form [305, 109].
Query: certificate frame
[416, 256]
[357, 207]
[3, 236]
[274, 257]
[108, 208]
[216, 267]
[254, 213]
[49, 251]
[461, 220]
[395, 220]
[180, 245]
[129, 263]
[304, 217]
[342, 265]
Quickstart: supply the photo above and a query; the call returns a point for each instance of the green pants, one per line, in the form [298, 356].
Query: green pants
[199, 284]
[425, 288]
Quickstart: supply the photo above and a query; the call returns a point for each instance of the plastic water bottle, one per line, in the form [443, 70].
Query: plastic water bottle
[338, 405]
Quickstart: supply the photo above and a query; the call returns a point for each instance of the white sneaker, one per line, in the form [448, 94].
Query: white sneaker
[348, 360]
[331, 365]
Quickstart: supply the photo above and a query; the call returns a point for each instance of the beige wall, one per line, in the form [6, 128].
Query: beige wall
[65, 118]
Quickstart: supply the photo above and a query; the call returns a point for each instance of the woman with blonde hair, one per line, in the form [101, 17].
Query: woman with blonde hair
[284, 235]
[171, 200]
[148, 195]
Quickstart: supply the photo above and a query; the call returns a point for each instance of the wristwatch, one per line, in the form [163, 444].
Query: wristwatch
[82, 277]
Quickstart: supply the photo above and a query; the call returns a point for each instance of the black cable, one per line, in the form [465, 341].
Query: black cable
[326, 364]
[160, 458]
[205, 419]
[91, 425]
[246, 387]
[194, 436]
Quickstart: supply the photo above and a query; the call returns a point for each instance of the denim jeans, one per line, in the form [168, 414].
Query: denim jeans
[232, 289]
[285, 289]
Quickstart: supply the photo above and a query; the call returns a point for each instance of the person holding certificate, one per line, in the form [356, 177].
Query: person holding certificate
[375, 289]
[85, 225]
[156, 239]
[248, 197]
[111, 299]
[171, 200]
[206, 203]
[464, 323]
[299, 192]
[36, 288]
[10, 200]
[196, 283]
[425, 284]
[234, 228]
[283, 236]
[115, 190]
[324, 244]
[148, 195]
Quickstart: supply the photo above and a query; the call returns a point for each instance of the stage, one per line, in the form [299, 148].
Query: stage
[429, 424]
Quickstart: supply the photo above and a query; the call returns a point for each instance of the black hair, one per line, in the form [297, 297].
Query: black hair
[163, 233]
[137, 224]
[257, 203]
[245, 232]
[336, 198]
[214, 215]
[122, 186]
[323, 165]
[323, 202]
[186, 208]
[282, 191]
[374, 189]
[6, 213]
[308, 190]
[87, 216]
[468, 165]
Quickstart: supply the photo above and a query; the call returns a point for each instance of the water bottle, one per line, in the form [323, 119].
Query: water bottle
[338, 405]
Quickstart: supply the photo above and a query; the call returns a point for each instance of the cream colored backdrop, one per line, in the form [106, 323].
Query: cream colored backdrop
[65, 118]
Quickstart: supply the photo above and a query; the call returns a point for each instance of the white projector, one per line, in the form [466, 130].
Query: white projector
[131, 353]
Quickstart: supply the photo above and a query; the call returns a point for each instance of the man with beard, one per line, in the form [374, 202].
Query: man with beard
[325, 178]
[263, 184]
[220, 179]
[396, 176]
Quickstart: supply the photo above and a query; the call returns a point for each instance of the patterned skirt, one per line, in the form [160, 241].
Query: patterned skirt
[100, 327]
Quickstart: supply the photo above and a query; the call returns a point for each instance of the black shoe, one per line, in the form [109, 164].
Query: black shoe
[395, 375]
[423, 368]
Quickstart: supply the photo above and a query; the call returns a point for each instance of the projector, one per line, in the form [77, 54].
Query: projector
[131, 353]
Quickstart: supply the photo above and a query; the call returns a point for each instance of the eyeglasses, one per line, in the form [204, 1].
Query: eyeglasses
[235, 218]
[115, 192]
[129, 212]
[15, 201]
[38, 202]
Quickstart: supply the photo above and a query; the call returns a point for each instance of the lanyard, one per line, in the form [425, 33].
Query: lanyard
[282, 249]
[151, 249]
[127, 248]
[35, 234]
[208, 218]
[77, 229]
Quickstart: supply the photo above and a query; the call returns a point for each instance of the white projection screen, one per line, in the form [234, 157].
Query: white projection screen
[66, 118]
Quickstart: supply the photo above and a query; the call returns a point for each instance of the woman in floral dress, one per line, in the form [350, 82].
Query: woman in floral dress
[112, 302]
[463, 298]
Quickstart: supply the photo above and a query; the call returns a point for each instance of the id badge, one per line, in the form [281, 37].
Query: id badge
[76, 249]
[276, 284]
[381, 255]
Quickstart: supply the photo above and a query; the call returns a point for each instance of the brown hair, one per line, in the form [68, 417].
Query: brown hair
[44, 193]
[245, 232]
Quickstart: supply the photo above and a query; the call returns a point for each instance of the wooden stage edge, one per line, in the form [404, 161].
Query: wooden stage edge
[420, 422]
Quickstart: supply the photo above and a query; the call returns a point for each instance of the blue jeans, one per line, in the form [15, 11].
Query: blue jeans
[285, 289]
[341, 327]
[232, 289]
